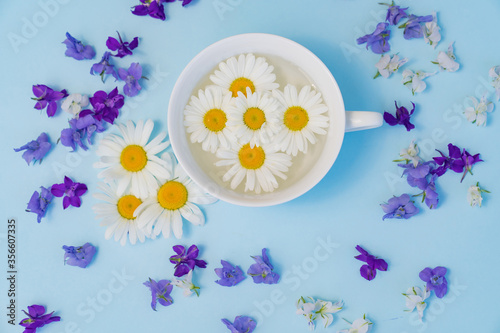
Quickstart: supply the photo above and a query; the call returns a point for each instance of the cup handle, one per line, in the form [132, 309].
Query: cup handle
[361, 120]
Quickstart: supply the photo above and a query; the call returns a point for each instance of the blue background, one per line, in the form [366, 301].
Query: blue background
[343, 209]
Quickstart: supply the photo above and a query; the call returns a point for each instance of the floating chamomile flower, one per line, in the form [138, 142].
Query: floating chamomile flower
[254, 118]
[303, 117]
[245, 72]
[260, 165]
[206, 118]
[175, 199]
[131, 160]
[117, 214]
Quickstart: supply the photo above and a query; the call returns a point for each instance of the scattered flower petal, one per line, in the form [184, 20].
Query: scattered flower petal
[71, 192]
[378, 40]
[47, 97]
[478, 113]
[131, 77]
[76, 50]
[432, 36]
[242, 324]
[74, 103]
[80, 128]
[410, 154]
[123, 48]
[160, 292]
[388, 65]
[413, 27]
[494, 73]
[262, 270]
[415, 298]
[37, 318]
[107, 106]
[474, 196]
[104, 67]
[415, 81]
[399, 208]
[39, 202]
[184, 261]
[229, 275]
[446, 61]
[435, 279]
[35, 150]
[153, 8]
[187, 285]
[369, 271]
[80, 256]
[360, 325]
[402, 117]
[395, 13]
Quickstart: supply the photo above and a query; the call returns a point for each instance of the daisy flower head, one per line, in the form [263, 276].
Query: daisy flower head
[245, 72]
[303, 117]
[205, 118]
[117, 214]
[130, 159]
[260, 166]
[253, 118]
[176, 198]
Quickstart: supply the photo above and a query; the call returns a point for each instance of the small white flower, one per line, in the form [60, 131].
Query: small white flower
[388, 65]
[415, 81]
[74, 103]
[187, 285]
[360, 325]
[415, 298]
[410, 154]
[495, 75]
[432, 36]
[446, 61]
[308, 310]
[474, 195]
[324, 309]
[478, 113]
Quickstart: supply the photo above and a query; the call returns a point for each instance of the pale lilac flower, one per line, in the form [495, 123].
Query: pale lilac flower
[415, 298]
[415, 81]
[35, 150]
[262, 270]
[187, 285]
[37, 318]
[413, 27]
[75, 103]
[360, 325]
[399, 208]
[76, 50]
[242, 324]
[430, 196]
[229, 275]
[104, 67]
[474, 196]
[432, 36]
[435, 279]
[446, 61]
[395, 13]
[478, 113]
[388, 65]
[378, 40]
[39, 202]
[83, 127]
[160, 292]
[494, 73]
[80, 256]
[131, 78]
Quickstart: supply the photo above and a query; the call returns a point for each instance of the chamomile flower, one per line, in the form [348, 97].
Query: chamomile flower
[254, 118]
[303, 117]
[131, 161]
[260, 166]
[117, 214]
[245, 72]
[174, 199]
[205, 118]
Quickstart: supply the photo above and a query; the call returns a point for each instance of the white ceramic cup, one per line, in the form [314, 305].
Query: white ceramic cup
[314, 165]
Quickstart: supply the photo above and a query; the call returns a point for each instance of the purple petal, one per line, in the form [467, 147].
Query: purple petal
[134, 43]
[113, 44]
[58, 190]
[390, 119]
[367, 272]
[441, 289]
[66, 202]
[426, 274]
[181, 270]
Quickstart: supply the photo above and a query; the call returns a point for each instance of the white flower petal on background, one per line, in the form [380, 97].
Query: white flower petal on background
[415, 81]
[415, 298]
[308, 310]
[360, 325]
[494, 73]
[432, 36]
[187, 285]
[325, 309]
[479, 112]
[388, 65]
[446, 61]
[74, 103]
[410, 154]
[474, 196]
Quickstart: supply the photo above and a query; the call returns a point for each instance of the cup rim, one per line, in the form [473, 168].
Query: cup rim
[249, 43]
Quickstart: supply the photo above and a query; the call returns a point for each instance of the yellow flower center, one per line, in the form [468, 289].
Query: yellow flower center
[172, 195]
[251, 158]
[215, 120]
[133, 158]
[241, 84]
[296, 118]
[127, 205]
[254, 118]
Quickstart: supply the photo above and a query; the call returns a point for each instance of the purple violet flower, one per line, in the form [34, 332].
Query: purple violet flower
[104, 67]
[85, 126]
[35, 149]
[435, 279]
[76, 50]
[186, 261]
[369, 271]
[160, 292]
[153, 8]
[413, 27]
[242, 324]
[229, 275]
[131, 78]
[262, 270]
[402, 117]
[430, 196]
[39, 202]
[71, 191]
[399, 208]
[469, 160]
[37, 318]
[47, 96]
[453, 161]
[378, 40]
[80, 256]
[417, 176]
[106, 106]
[123, 48]
[395, 14]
